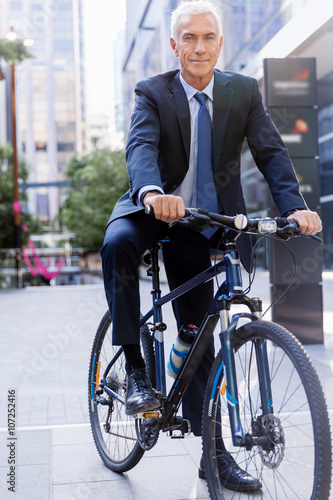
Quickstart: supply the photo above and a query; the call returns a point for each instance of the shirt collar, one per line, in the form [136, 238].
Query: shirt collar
[190, 91]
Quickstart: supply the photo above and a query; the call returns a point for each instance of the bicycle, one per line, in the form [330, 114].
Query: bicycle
[263, 394]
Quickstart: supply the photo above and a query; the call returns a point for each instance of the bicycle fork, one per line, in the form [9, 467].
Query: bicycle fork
[227, 343]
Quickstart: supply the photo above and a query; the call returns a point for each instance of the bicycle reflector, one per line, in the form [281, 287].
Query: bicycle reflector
[267, 226]
[97, 374]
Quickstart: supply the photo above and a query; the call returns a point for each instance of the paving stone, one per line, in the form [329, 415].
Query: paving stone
[31, 447]
[101, 490]
[32, 482]
[80, 463]
[174, 477]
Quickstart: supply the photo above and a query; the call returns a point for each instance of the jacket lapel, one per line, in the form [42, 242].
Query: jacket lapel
[223, 97]
[180, 104]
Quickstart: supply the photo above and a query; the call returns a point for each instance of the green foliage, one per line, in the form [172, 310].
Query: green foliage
[97, 181]
[7, 197]
[14, 51]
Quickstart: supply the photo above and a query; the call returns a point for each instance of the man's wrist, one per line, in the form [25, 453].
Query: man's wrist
[149, 193]
[286, 214]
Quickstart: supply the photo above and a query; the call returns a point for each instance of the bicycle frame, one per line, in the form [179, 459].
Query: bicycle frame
[230, 292]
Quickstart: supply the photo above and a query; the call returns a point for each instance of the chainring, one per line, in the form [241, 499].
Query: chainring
[147, 431]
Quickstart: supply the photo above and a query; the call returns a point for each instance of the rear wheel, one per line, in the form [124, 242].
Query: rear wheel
[296, 462]
[113, 431]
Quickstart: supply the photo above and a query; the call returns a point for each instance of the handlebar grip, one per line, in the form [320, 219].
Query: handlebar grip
[150, 211]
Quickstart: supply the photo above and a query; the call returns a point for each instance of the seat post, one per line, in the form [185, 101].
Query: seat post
[159, 326]
[154, 270]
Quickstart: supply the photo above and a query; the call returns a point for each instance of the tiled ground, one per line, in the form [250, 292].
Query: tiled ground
[45, 342]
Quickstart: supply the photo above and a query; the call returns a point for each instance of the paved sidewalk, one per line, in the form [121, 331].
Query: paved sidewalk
[45, 341]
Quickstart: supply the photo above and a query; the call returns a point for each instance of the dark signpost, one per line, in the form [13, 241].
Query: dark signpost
[290, 88]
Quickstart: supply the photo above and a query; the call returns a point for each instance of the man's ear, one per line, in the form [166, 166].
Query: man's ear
[173, 46]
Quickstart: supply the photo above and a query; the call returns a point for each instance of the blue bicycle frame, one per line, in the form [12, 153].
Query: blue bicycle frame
[230, 292]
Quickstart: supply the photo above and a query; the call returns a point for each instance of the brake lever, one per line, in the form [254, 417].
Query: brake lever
[313, 237]
[290, 229]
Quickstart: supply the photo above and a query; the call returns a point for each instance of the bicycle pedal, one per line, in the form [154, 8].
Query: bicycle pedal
[172, 435]
[148, 414]
[180, 429]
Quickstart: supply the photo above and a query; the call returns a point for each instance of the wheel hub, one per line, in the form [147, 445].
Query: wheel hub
[272, 454]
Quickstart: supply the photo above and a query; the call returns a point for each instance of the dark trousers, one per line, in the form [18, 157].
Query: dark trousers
[185, 255]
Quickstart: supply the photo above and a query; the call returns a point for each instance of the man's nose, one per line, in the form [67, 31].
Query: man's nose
[200, 46]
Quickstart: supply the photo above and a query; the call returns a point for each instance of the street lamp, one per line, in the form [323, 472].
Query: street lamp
[11, 36]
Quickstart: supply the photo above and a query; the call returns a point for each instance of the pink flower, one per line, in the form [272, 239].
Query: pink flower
[16, 207]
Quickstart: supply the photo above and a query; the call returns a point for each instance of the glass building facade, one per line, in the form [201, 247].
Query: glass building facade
[50, 93]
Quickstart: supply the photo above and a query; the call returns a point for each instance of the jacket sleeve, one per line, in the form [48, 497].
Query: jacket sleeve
[271, 156]
[142, 148]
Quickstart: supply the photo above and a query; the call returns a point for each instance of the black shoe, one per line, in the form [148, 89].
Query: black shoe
[139, 395]
[231, 475]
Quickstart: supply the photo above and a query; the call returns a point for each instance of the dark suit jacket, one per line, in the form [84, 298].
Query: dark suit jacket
[158, 144]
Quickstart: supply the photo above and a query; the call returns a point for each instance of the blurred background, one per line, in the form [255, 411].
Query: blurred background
[67, 73]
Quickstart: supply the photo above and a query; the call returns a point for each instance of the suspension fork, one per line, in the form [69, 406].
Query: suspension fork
[264, 376]
[227, 343]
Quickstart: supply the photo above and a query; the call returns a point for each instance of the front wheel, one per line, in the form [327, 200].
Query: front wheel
[113, 431]
[297, 462]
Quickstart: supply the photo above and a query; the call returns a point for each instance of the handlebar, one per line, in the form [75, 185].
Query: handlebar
[202, 219]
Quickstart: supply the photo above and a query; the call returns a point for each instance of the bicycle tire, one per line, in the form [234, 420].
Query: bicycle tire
[113, 431]
[300, 466]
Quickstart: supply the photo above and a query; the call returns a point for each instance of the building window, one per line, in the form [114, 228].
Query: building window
[68, 127]
[64, 5]
[66, 146]
[16, 5]
[63, 45]
[41, 146]
[36, 6]
[43, 206]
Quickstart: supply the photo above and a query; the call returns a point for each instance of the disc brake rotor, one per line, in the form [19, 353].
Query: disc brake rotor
[272, 455]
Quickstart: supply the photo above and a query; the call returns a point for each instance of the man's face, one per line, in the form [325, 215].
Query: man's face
[198, 47]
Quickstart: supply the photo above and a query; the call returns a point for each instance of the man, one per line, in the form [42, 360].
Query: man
[164, 152]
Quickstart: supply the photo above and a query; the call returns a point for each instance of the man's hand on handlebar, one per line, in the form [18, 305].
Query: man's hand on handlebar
[308, 221]
[167, 207]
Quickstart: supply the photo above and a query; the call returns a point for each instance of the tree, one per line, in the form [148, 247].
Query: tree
[14, 51]
[97, 180]
[6, 200]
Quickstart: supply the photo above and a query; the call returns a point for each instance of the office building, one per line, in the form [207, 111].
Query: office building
[50, 93]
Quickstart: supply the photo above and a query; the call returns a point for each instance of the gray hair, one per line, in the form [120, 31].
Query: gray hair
[194, 7]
